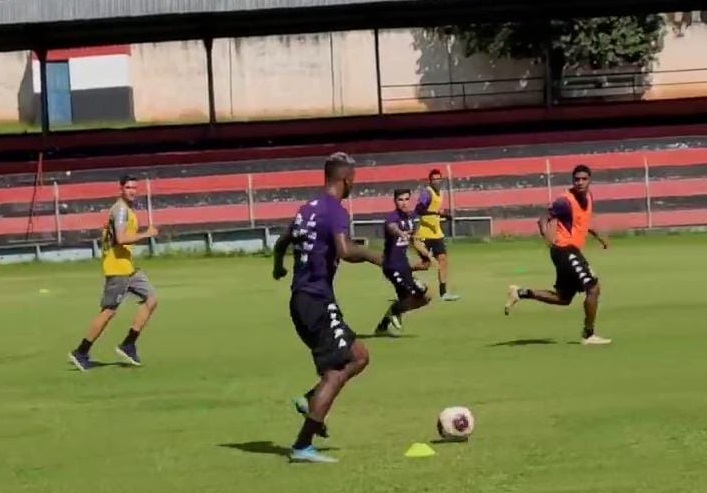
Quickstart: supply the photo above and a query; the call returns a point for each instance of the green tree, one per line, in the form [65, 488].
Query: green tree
[597, 43]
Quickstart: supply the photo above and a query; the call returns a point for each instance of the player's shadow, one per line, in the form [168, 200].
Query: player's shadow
[374, 336]
[264, 447]
[447, 441]
[523, 342]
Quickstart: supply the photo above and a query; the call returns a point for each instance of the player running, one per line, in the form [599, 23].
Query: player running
[320, 238]
[121, 277]
[412, 294]
[429, 208]
[565, 227]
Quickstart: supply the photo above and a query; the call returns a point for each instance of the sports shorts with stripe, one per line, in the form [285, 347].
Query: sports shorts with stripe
[573, 272]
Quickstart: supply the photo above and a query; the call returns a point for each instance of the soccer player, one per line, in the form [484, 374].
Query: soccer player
[565, 227]
[429, 208]
[121, 277]
[320, 238]
[412, 294]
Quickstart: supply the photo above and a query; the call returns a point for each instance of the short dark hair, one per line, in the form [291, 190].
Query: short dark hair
[126, 178]
[401, 191]
[581, 168]
[336, 163]
[433, 173]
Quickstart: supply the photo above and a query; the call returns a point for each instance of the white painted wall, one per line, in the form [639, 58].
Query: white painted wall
[326, 74]
[99, 72]
[169, 81]
[13, 66]
[680, 70]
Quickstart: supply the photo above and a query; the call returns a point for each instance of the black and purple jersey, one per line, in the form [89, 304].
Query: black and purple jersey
[313, 231]
[395, 250]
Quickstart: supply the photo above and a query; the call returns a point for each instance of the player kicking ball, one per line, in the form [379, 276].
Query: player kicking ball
[412, 294]
[565, 227]
[320, 238]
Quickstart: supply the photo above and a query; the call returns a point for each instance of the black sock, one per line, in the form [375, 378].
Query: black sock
[395, 309]
[306, 434]
[442, 288]
[587, 332]
[524, 293]
[84, 347]
[130, 338]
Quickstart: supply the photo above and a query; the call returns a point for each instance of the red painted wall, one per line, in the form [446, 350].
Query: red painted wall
[676, 184]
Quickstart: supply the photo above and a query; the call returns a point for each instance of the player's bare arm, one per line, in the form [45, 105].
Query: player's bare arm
[603, 241]
[546, 225]
[279, 250]
[348, 251]
[120, 219]
[423, 253]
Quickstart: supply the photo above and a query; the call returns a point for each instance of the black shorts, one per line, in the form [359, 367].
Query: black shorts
[573, 272]
[320, 324]
[436, 246]
[405, 283]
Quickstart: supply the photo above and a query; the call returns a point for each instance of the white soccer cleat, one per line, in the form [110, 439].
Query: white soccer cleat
[450, 297]
[512, 298]
[396, 321]
[595, 340]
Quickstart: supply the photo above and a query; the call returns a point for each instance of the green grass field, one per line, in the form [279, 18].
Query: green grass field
[210, 410]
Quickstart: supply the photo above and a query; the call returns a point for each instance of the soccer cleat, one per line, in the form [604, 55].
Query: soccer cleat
[311, 454]
[129, 353]
[396, 321]
[386, 330]
[302, 406]
[512, 299]
[449, 297]
[595, 340]
[80, 360]
[389, 332]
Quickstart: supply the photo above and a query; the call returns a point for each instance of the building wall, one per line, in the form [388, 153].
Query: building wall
[169, 81]
[680, 70]
[422, 72]
[322, 74]
[15, 84]
[334, 74]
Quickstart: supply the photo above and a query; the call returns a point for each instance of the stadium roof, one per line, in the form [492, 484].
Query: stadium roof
[36, 11]
[26, 24]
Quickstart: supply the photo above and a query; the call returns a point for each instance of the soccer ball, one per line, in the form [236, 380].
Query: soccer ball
[455, 423]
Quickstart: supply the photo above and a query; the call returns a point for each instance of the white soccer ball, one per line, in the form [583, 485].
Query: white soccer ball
[455, 423]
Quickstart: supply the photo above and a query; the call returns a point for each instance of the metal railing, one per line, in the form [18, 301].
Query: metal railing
[598, 85]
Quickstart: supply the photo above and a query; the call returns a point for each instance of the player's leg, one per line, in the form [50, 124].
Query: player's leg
[322, 399]
[393, 315]
[439, 250]
[411, 293]
[565, 285]
[114, 290]
[140, 287]
[546, 296]
[338, 357]
[591, 287]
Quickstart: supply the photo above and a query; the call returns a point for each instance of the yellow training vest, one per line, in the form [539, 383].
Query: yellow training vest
[118, 259]
[430, 222]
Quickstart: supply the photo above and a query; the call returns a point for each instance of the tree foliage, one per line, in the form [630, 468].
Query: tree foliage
[597, 43]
